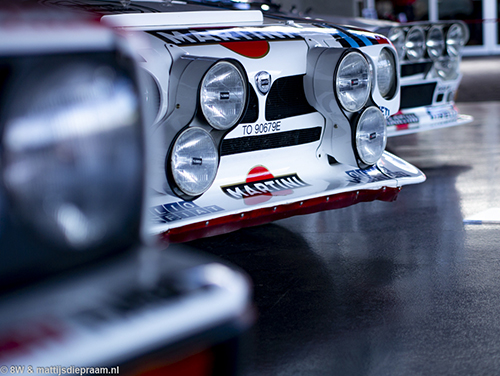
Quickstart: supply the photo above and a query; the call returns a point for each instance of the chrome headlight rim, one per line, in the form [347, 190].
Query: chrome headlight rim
[173, 176]
[243, 102]
[355, 107]
[415, 51]
[435, 42]
[390, 91]
[371, 158]
[453, 49]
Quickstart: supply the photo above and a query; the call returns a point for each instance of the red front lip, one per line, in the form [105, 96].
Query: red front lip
[256, 217]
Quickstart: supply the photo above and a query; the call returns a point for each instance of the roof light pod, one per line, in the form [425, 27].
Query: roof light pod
[193, 162]
[415, 43]
[371, 135]
[456, 37]
[435, 42]
[223, 95]
[353, 81]
[397, 37]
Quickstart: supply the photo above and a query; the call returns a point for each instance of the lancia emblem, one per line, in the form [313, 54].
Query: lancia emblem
[263, 82]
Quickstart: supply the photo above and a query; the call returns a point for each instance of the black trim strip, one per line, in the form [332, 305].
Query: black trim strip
[270, 141]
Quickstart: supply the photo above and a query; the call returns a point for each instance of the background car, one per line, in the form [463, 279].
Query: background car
[82, 290]
[429, 57]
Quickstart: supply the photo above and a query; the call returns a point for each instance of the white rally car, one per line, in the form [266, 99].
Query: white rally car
[256, 119]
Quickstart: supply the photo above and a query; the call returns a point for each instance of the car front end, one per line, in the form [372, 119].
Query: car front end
[255, 119]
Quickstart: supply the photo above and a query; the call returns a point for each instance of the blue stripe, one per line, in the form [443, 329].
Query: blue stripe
[365, 40]
[351, 41]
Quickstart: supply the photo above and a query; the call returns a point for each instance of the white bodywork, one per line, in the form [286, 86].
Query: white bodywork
[272, 180]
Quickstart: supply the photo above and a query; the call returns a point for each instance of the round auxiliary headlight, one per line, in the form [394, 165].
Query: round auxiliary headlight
[223, 95]
[415, 44]
[435, 42]
[386, 73]
[397, 37]
[194, 161]
[371, 135]
[72, 155]
[353, 81]
[456, 37]
[448, 69]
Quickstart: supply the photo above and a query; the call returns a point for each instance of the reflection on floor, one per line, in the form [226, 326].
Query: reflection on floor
[403, 288]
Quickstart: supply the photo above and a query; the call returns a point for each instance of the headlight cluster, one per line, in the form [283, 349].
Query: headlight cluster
[353, 86]
[433, 41]
[355, 130]
[72, 151]
[194, 158]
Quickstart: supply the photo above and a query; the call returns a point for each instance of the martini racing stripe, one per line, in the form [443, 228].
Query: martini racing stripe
[352, 39]
[218, 36]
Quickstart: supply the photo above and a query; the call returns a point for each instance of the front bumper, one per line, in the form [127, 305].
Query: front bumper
[265, 194]
[425, 118]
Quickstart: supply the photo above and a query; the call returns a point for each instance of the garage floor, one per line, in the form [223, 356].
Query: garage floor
[402, 288]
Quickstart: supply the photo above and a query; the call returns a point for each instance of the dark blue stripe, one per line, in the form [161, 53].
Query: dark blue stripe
[351, 41]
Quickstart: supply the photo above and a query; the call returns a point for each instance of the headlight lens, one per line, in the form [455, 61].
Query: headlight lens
[415, 44]
[353, 82]
[435, 42]
[194, 161]
[456, 37]
[386, 73]
[223, 95]
[371, 135]
[397, 37]
[72, 154]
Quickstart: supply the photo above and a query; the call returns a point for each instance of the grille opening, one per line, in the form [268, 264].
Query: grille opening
[252, 113]
[287, 98]
[417, 95]
[415, 68]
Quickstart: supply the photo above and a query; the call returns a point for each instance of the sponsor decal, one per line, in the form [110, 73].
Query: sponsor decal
[260, 186]
[228, 36]
[402, 121]
[372, 175]
[442, 113]
[385, 111]
[180, 210]
[225, 36]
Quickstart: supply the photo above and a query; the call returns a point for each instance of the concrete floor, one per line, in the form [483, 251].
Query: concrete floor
[402, 288]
